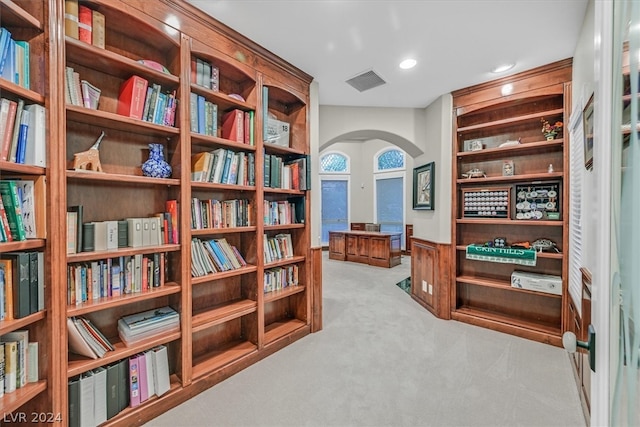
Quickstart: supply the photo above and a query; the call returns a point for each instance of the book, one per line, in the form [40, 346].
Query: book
[12, 203]
[77, 343]
[7, 274]
[36, 148]
[160, 370]
[21, 144]
[99, 395]
[13, 148]
[2, 368]
[5, 37]
[10, 366]
[41, 280]
[32, 365]
[112, 391]
[172, 208]
[20, 283]
[8, 130]
[71, 9]
[151, 390]
[21, 338]
[87, 385]
[33, 282]
[85, 24]
[134, 381]
[233, 125]
[88, 233]
[98, 26]
[132, 96]
[123, 384]
[142, 377]
[90, 95]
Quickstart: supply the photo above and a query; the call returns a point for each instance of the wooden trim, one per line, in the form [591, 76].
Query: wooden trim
[316, 289]
[430, 262]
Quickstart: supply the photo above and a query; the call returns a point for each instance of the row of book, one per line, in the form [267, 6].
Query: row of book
[205, 74]
[146, 101]
[22, 209]
[22, 284]
[102, 393]
[14, 59]
[112, 277]
[238, 126]
[292, 173]
[277, 247]
[279, 278]
[83, 23]
[214, 213]
[280, 212]
[203, 115]
[79, 91]
[22, 132]
[215, 255]
[18, 361]
[223, 166]
[159, 229]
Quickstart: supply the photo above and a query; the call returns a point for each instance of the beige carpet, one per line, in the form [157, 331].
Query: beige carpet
[383, 360]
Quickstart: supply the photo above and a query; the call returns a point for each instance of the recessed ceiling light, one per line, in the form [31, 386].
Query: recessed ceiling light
[503, 67]
[408, 63]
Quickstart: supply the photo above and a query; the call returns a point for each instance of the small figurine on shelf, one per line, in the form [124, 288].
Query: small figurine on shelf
[89, 160]
[550, 169]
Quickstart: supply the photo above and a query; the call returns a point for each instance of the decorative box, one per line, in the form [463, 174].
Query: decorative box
[278, 132]
[538, 201]
[537, 282]
[486, 202]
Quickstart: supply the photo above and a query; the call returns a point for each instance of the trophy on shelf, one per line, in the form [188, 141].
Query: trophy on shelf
[89, 160]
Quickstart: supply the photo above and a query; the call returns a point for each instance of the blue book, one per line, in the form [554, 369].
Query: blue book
[5, 36]
[159, 113]
[227, 165]
[9, 70]
[202, 127]
[22, 137]
[218, 256]
[220, 253]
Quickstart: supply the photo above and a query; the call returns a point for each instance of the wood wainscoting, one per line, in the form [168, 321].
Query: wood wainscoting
[579, 325]
[430, 276]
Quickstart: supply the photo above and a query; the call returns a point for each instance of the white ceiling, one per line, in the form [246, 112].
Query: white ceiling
[456, 42]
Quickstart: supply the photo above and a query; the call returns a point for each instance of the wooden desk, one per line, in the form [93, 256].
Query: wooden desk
[369, 247]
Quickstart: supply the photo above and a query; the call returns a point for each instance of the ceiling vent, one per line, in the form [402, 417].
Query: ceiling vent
[366, 80]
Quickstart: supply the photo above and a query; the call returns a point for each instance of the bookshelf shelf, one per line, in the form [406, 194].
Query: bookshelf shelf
[520, 149]
[224, 187]
[542, 330]
[221, 313]
[208, 140]
[501, 284]
[279, 149]
[283, 191]
[12, 401]
[283, 293]
[224, 275]
[215, 231]
[10, 167]
[92, 256]
[14, 15]
[23, 245]
[120, 178]
[7, 326]
[80, 364]
[224, 101]
[283, 227]
[110, 302]
[293, 260]
[277, 330]
[104, 119]
[221, 357]
[514, 222]
[510, 121]
[21, 92]
[515, 178]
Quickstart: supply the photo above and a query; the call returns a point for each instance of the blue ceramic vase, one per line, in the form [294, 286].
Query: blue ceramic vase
[156, 166]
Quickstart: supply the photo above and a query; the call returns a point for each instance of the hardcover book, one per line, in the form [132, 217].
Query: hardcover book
[132, 96]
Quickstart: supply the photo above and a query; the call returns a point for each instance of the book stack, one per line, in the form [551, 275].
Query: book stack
[83, 23]
[18, 361]
[284, 211]
[102, 393]
[220, 214]
[87, 340]
[141, 100]
[278, 247]
[22, 132]
[22, 209]
[147, 324]
[21, 284]
[112, 277]
[80, 92]
[281, 277]
[238, 125]
[223, 166]
[203, 115]
[212, 256]
[205, 74]
[291, 172]
[14, 59]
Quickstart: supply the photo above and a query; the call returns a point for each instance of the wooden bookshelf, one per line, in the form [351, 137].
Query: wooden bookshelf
[481, 291]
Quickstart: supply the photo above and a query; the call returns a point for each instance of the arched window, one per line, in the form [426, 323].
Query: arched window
[334, 163]
[392, 159]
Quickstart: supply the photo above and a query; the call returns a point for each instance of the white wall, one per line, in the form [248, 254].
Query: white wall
[583, 83]
[425, 134]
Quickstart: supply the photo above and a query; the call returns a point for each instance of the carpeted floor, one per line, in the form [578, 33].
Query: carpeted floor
[383, 360]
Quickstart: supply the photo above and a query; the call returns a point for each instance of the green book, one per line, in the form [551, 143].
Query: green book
[11, 201]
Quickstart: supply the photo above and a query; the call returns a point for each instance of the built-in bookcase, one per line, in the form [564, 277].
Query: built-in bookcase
[27, 21]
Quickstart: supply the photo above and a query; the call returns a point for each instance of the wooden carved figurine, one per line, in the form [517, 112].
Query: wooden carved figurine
[90, 159]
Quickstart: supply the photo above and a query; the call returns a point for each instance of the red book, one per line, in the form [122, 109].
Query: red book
[172, 208]
[246, 127]
[145, 274]
[233, 125]
[131, 98]
[85, 24]
[8, 130]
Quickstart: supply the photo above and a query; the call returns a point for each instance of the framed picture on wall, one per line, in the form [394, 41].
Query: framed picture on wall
[587, 122]
[423, 186]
